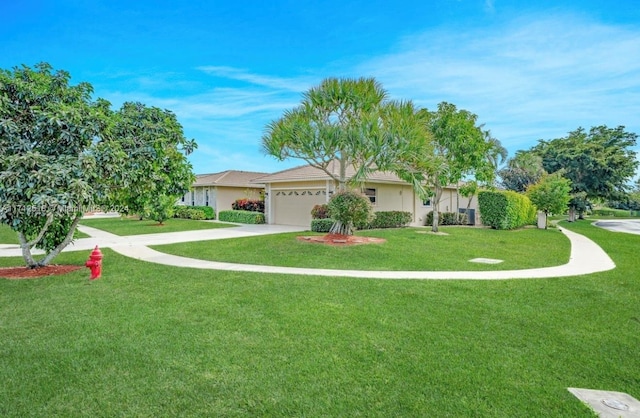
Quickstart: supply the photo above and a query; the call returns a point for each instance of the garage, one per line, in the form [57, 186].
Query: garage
[293, 206]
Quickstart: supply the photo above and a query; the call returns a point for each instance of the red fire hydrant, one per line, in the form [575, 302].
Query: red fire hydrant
[95, 263]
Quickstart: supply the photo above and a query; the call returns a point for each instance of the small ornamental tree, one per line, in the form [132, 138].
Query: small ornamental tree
[551, 194]
[349, 208]
[161, 208]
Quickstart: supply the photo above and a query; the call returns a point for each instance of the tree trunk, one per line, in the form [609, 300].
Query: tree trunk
[341, 229]
[342, 183]
[67, 240]
[26, 251]
[436, 208]
[572, 214]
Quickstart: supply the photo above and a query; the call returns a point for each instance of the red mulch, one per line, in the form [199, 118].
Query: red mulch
[27, 273]
[341, 240]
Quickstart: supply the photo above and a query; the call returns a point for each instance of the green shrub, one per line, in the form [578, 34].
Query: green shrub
[181, 212]
[349, 209]
[241, 216]
[447, 218]
[389, 219]
[321, 225]
[194, 212]
[505, 209]
[320, 212]
[617, 213]
[208, 212]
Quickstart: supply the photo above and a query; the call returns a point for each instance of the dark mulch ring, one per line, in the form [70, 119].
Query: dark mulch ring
[342, 240]
[15, 273]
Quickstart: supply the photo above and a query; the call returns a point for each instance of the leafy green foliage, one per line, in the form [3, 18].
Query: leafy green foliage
[505, 209]
[389, 219]
[161, 208]
[321, 224]
[241, 216]
[156, 151]
[189, 212]
[522, 171]
[456, 148]
[62, 154]
[349, 208]
[599, 163]
[551, 194]
[344, 127]
[48, 176]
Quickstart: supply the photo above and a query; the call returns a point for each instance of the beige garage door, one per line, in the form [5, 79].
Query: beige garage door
[293, 206]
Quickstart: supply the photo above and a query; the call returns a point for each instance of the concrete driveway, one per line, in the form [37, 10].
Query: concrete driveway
[630, 226]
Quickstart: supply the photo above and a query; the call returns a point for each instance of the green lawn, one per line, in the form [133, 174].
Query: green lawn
[134, 226]
[405, 249]
[8, 236]
[149, 340]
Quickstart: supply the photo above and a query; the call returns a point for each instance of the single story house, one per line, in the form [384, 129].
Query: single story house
[220, 190]
[291, 194]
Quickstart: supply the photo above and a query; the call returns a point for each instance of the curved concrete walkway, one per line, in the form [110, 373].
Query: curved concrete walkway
[586, 256]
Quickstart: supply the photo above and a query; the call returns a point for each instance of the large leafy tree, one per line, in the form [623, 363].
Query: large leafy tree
[599, 162]
[59, 156]
[155, 169]
[523, 170]
[456, 148]
[345, 121]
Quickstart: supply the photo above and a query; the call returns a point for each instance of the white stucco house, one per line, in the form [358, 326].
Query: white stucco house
[291, 194]
[220, 190]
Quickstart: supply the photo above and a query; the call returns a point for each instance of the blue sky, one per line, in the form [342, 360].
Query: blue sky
[530, 70]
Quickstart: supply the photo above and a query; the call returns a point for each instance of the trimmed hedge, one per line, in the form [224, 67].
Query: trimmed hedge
[250, 205]
[505, 209]
[241, 216]
[321, 225]
[389, 219]
[194, 212]
[447, 218]
[616, 213]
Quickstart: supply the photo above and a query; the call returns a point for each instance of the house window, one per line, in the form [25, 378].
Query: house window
[183, 198]
[193, 197]
[371, 194]
[426, 202]
[206, 197]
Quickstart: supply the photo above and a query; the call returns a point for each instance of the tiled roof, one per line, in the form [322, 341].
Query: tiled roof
[307, 172]
[229, 178]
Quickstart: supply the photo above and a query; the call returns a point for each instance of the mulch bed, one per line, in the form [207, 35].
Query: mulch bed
[341, 240]
[16, 273]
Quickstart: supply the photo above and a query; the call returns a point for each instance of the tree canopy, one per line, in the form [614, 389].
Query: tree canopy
[62, 154]
[456, 147]
[348, 121]
[523, 170]
[551, 194]
[599, 163]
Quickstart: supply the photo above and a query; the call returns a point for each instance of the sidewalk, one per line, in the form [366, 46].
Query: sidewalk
[586, 256]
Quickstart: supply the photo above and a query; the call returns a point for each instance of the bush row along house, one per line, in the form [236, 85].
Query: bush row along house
[291, 194]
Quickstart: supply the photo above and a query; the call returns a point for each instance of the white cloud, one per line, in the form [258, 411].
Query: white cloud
[537, 77]
[289, 84]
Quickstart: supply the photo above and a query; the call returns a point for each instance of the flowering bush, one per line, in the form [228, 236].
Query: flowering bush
[251, 205]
